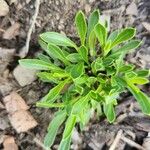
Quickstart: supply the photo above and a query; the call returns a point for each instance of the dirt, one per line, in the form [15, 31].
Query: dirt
[58, 16]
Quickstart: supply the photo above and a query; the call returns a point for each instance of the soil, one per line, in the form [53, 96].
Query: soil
[58, 15]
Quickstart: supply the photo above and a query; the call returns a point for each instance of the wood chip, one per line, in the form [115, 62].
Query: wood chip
[12, 31]
[14, 102]
[4, 8]
[9, 143]
[22, 121]
[146, 26]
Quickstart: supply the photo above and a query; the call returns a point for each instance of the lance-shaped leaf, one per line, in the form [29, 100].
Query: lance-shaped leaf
[83, 53]
[124, 35]
[71, 121]
[139, 80]
[57, 39]
[142, 98]
[54, 92]
[77, 70]
[38, 64]
[92, 21]
[142, 73]
[110, 112]
[65, 144]
[113, 36]
[81, 26]
[53, 127]
[74, 57]
[44, 58]
[57, 53]
[101, 34]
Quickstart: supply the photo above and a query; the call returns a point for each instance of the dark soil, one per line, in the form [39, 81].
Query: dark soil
[58, 16]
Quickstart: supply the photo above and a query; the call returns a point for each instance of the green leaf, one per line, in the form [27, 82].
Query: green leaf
[81, 26]
[126, 68]
[77, 70]
[110, 112]
[53, 127]
[139, 80]
[57, 39]
[44, 58]
[74, 57]
[101, 34]
[107, 48]
[113, 36]
[65, 144]
[142, 73]
[92, 43]
[92, 21]
[142, 98]
[124, 35]
[54, 92]
[57, 53]
[83, 53]
[71, 121]
[38, 64]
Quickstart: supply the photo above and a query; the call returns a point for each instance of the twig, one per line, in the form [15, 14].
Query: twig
[116, 141]
[132, 143]
[37, 5]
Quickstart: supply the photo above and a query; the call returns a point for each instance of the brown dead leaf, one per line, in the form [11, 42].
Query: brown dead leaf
[9, 143]
[12, 31]
[14, 102]
[22, 121]
[146, 26]
[4, 8]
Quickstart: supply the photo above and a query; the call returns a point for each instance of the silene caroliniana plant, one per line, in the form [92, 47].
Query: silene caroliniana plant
[86, 77]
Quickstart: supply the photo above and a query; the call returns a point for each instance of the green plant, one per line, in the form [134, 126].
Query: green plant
[87, 77]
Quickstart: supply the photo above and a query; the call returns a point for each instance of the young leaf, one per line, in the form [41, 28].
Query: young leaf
[110, 112]
[71, 121]
[53, 93]
[77, 70]
[81, 26]
[124, 35]
[92, 21]
[139, 80]
[44, 58]
[113, 36]
[57, 53]
[74, 57]
[65, 144]
[126, 68]
[83, 53]
[101, 33]
[142, 73]
[53, 127]
[57, 39]
[38, 64]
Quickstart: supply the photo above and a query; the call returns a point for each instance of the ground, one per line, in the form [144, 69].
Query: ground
[58, 16]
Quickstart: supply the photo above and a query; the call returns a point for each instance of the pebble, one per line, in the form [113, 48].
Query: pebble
[4, 8]
[132, 9]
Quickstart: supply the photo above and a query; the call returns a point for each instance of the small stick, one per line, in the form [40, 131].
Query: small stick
[116, 141]
[37, 5]
[132, 143]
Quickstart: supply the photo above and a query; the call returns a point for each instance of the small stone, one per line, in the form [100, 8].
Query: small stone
[22, 121]
[24, 76]
[87, 8]
[146, 26]
[3, 124]
[132, 9]
[4, 8]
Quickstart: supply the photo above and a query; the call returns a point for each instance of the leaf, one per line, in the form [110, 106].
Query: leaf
[38, 64]
[74, 57]
[83, 53]
[57, 39]
[65, 144]
[142, 98]
[126, 68]
[101, 34]
[69, 126]
[54, 92]
[92, 43]
[139, 80]
[124, 35]
[113, 36]
[92, 21]
[80, 104]
[107, 48]
[77, 70]
[142, 73]
[81, 26]
[44, 58]
[50, 105]
[53, 127]
[57, 53]
[110, 112]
